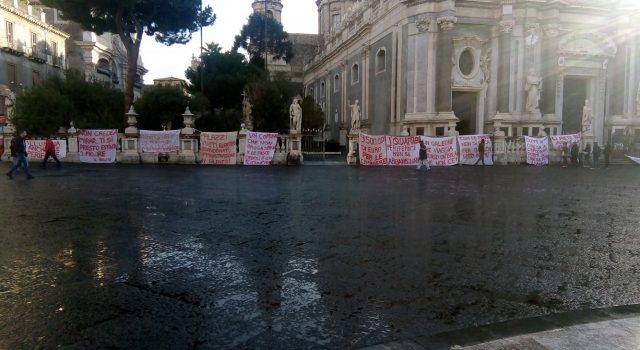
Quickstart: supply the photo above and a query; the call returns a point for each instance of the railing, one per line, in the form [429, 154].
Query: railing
[516, 150]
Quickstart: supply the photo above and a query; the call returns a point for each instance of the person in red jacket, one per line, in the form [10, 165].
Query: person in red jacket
[49, 151]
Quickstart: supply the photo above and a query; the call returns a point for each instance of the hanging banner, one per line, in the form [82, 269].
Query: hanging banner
[372, 150]
[160, 141]
[558, 140]
[403, 150]
[537, 150]
[469, 153]
[635, 159]
[35, 149]
[260, 147]
[441, 151]
[218, 148]
[98, 146]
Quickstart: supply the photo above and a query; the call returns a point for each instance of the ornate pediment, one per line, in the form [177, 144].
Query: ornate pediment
[588, 44]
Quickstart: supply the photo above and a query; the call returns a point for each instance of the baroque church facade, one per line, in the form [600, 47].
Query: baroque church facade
[442, 67]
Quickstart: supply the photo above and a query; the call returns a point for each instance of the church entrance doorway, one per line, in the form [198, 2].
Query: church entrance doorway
[575, 93]
[465, 107]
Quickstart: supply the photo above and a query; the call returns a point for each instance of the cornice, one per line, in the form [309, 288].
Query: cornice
[33, 20]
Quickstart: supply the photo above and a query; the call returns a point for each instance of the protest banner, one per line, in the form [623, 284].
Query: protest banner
[372, 150]
[441, 151]
[537, 150]
[218, 148]
[98, 146]
[160, 141]
[469, 153]
[558, 140]
[403, 150]
[35, 149]
[260, 147]
[635, 159]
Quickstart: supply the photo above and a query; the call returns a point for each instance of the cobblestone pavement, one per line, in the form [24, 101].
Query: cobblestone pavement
[186, 257]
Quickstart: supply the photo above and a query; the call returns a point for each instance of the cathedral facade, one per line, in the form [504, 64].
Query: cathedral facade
[442, 67]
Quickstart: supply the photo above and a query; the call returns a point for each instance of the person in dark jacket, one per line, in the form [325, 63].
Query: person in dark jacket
[565, 155]
[596, 155]
[607, 154]
[21, 154]
[423, 156]
[481, 152]
[575, 153]
[49, 151]
[586, 154]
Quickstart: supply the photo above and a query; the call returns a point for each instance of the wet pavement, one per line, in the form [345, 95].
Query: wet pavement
[181, 257]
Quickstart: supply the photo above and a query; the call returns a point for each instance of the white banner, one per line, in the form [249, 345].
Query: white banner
[635, 159]
[35, 149]
[98, 146]
[218, 148]
[372, 150]
[469, 153]
[537, 150]
[558, 140]
[441, 151]
[403, 150]
[160, 141]
[260, 147]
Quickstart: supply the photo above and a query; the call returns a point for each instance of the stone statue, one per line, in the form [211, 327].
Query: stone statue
[533, 87]
[246, 110]
[355, 116]
[587, 117]
[295, 115]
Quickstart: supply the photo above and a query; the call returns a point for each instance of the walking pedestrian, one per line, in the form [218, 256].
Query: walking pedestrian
[49, 151]
[607, 154]
[21, 155]
[596, 155]
[575, 152]
[481, 152]
[423, 156]
[565, 154]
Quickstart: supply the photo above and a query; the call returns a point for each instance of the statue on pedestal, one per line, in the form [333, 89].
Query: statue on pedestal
[533, 87]
[587, 117]
[355, 116]
[295, 116]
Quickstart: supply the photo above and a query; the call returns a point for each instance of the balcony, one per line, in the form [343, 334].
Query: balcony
[12, 47]
[35, 55]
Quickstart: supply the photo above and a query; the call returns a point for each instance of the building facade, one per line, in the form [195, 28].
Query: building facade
[441, 67]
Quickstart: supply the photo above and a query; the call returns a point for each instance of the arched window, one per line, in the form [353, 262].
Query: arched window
[322, 90]
[336, 83]
[355, 74]
[381, 61]
[466, 62]
[104, 66]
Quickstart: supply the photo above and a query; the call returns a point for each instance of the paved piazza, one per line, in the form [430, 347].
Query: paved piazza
[312, 257]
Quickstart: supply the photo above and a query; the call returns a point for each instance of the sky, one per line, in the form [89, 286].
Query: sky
[298, 16]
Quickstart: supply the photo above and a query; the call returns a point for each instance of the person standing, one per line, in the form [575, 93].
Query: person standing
[565, 153]
[21, 155]
[607, 154]
[575, 153]
[596, 155]
[423, 156]
[49, 151]
[481, 152]
[586, 154]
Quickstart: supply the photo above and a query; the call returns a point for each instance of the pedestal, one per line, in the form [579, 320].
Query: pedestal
[352, 156]
[130, 153]
[187, 151]
[294, 150]
[73, 156]
[6, 156]
[500, 149]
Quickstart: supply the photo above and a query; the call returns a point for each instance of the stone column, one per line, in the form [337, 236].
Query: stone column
[432, 33]
[72, 145]
[445, 65]
[504, 70]
[130, 141]
[549, 67]
[188, 145]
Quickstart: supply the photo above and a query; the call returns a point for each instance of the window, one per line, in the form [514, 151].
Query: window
[54, 49]
[336, 83]
[355, 74]
[322, 90]
[35, 78]
[9, 28]
[34, 44]
[466, 62]
[11, 73]
[420, 131]
[335, 21]
[381, 61]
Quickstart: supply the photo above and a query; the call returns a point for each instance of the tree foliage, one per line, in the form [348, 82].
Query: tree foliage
[312, 114]
[57, 101]
[263, 34]
[161, 105]
[270, 99]
[169, 21]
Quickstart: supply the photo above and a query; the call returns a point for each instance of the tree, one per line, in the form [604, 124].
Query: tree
[170, 21]
[312, 114]
[161, 105]
[261, 35]
[225, 76]
[57, 101]
[271, 99]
